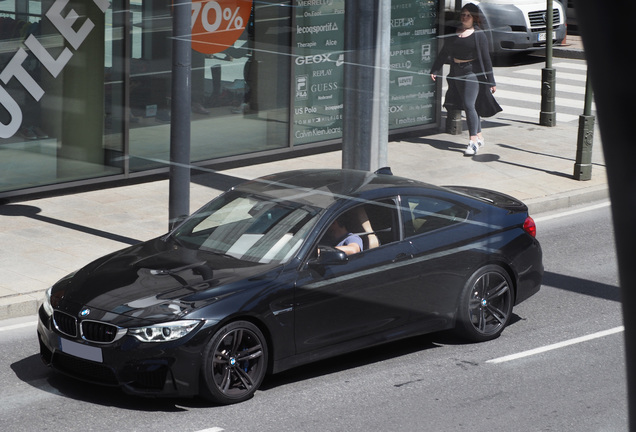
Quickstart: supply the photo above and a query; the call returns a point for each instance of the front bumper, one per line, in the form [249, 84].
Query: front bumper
[144, 369]
[510, 41]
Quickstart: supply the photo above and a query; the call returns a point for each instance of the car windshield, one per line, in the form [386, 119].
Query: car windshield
[248, 227]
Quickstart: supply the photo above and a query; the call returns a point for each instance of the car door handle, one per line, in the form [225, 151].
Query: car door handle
[402, 257]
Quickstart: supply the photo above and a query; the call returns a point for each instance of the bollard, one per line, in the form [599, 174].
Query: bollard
[454, 122]
[547, 116]
[583, 165]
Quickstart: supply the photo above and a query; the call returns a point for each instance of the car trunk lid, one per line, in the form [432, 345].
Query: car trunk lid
[498, 199]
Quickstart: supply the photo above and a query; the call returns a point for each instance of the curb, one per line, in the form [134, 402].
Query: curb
[565, 200]
[20, 305]
[565, 52]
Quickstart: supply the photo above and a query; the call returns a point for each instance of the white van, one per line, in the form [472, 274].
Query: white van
[514, 25]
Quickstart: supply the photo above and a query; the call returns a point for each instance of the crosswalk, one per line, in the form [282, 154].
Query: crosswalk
[519, 91]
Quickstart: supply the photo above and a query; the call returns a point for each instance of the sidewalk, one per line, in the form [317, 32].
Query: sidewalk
[45, 239]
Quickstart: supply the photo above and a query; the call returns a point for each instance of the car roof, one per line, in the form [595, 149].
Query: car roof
[321, 188]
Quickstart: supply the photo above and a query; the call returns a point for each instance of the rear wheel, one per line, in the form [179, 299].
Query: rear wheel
[486, 304]
[235, 363]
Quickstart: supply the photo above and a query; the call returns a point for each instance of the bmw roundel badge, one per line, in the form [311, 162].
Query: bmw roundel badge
[84, 312]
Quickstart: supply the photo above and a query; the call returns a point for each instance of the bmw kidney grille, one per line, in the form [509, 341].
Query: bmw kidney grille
[91, 331]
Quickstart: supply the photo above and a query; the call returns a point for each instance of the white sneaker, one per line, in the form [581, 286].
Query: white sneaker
[472, 148]
[480, 142]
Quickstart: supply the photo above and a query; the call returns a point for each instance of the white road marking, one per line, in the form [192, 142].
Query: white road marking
[536, 73]
[557, 345]
[535, 98]
[18, 326]
[581, 66]
[571, 212]
[518, 83]
[532, 113]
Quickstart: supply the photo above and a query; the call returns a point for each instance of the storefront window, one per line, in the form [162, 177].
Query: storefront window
[319, 59]
[413, 50]
[86, 85]
[52, 93]
[240, 79]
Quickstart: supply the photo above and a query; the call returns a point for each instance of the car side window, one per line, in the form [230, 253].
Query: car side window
[383, 221]
[375, 222]
[422, 214]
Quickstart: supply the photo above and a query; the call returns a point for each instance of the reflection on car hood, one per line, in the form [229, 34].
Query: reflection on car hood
[153, 281]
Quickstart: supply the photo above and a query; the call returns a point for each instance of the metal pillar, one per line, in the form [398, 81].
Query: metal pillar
[583, 164]
[179, 184]
[614, 100]
[547, 116]
[366, 85]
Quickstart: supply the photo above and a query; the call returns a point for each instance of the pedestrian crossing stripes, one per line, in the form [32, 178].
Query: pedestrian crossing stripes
[575, 65]
[533, 73]
[519, 91]
[535, 84]
[536, 98]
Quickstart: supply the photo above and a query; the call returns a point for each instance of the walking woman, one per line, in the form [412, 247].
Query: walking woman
[471, 81]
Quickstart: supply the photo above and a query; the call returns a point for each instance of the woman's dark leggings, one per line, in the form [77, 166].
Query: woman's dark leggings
[468, 87]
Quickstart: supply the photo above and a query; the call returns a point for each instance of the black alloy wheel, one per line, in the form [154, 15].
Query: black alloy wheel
[486, 304]
[235, 363]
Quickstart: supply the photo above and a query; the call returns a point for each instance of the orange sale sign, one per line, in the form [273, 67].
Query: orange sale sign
[217, 24]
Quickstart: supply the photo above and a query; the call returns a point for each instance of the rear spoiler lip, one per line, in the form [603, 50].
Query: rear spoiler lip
[492, 197]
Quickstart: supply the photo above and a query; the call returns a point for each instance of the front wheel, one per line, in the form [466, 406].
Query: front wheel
[486, 304]
[235, 363]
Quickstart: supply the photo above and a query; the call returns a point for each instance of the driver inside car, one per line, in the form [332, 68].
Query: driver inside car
[339, 235]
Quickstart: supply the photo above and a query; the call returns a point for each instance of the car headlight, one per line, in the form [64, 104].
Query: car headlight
[46, 304]
[164, 332]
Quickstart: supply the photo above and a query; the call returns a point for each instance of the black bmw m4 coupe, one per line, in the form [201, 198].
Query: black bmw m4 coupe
[255, 283]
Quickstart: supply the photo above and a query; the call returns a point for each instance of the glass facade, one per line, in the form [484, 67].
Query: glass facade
[52, 92]
[85, 85]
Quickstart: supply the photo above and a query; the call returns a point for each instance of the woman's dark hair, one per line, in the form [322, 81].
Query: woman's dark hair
[473, 9]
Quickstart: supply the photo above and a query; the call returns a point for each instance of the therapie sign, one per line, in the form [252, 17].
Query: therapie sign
[65, 25]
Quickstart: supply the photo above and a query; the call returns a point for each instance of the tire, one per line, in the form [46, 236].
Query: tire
[234, 363]
[486, 304]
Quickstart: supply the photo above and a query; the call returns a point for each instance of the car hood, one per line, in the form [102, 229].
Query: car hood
[154, 281]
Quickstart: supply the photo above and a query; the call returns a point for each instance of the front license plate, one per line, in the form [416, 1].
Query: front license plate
[543, 37]
[82, 351]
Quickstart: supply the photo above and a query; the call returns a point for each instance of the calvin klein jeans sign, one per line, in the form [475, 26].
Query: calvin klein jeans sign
[65, 25]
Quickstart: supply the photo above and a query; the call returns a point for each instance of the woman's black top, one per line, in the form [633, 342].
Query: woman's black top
[482, 66]
[464, 48]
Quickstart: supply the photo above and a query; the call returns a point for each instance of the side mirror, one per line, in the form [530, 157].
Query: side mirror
[329, 256]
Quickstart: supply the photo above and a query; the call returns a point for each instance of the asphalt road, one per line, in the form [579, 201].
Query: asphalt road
[572, 380]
